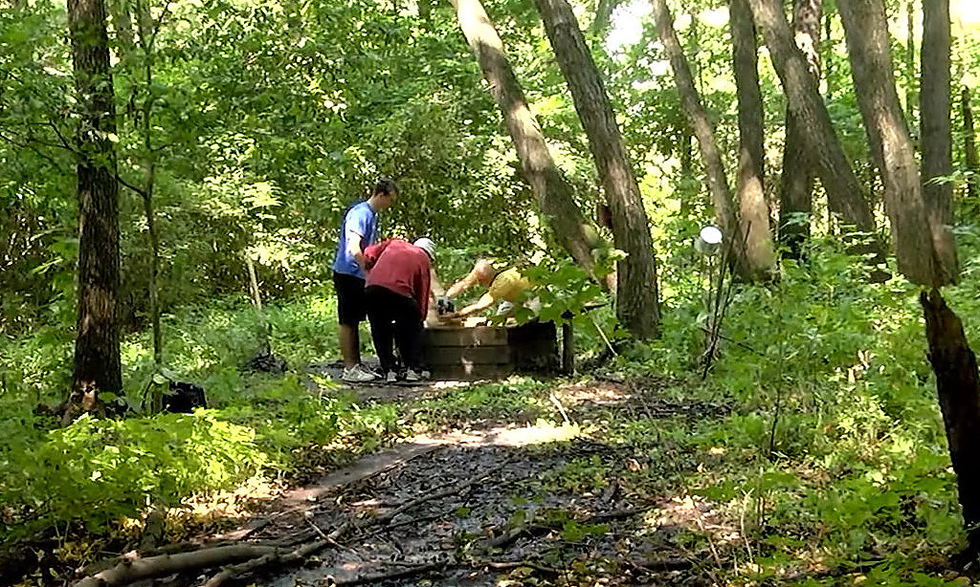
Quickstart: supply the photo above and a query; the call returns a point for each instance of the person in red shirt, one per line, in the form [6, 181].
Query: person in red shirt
[397, 294]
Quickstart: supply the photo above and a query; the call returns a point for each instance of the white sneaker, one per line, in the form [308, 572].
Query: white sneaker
[357, 374]
[412, 376]
[391, 377]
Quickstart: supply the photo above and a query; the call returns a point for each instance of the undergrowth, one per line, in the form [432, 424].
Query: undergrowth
[830, 455]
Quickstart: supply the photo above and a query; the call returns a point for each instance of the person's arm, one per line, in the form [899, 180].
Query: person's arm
[463, 284]
[354, 248]
[485, 301]
[423, 289]
[370, 255]
[356, 229]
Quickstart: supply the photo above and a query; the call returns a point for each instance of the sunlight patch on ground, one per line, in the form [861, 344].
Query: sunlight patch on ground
[694, 514]
[540, 433]
[231, 504]
[594, 393]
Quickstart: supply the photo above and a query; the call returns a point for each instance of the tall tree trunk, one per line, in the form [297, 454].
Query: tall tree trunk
[603, 17]
[97, 363]
[147, 38]
[958, 386]
[910, 59]
[721, 197]
[828, 60]
[636, 299]
[935, 130]
[844, 192]
[796, 187]
[924, 248]
[553, 192]
[970, 145]
[750, 190]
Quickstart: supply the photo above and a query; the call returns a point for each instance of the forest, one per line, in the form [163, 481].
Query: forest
[793, 403]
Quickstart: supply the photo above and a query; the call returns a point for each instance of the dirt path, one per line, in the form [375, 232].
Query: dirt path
[538, 504]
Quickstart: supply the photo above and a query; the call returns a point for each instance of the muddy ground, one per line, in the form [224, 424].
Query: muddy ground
[519, 499]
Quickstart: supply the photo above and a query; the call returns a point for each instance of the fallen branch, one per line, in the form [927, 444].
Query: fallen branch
[392, 576]
[129, 571]
[236, 571]
[511, 565]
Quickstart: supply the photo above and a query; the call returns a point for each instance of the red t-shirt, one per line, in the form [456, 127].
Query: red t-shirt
[401, 267]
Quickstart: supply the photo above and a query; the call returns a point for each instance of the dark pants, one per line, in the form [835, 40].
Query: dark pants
[394, 318]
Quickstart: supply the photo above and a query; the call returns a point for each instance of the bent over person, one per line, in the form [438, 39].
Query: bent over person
[358, 230]
[506, 287]
[397, 297]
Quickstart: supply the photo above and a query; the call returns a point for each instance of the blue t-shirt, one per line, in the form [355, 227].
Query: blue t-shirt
[360, 219]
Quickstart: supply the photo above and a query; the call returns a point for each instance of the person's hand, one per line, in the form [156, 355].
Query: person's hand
[444, 306]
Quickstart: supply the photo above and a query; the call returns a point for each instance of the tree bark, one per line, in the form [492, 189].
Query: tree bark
[970, 145]
[97, 363]
[636, 300]
[958, 387]
[721, 196]
[924, 248]
[935, 130]
[553, 192]
[750, 190]
[910, 58]
[603, 17]
[796, 187]
[844, 192]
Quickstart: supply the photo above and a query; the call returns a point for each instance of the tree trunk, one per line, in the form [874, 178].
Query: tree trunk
[636, 299]
[97, 363]
[936, 134]
[603, 17]
[910, 58]
[147, 39]
[924, 248]
[750, 191]
[844, 192]
[721, 197]
[553, 192]
[958, 386]
[796, 188]
[970, 145]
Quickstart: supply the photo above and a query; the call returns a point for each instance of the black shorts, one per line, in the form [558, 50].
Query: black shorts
[351, 308]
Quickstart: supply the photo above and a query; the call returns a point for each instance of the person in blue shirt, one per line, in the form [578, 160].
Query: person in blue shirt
[358, 230]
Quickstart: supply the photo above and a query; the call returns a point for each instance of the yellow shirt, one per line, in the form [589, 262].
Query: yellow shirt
[509, 286]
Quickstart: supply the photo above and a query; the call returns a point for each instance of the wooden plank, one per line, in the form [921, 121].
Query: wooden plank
[487, 355]
[471, 371]
[458, 336]
[534, 347]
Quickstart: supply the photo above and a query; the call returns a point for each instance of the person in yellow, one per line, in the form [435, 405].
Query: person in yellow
[506, 287]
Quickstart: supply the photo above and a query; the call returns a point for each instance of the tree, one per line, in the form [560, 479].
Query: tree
[553, 192]
[844, 192]
[636, 300]
[97, 363]
[935, 130]
[721, 196]
[923, 245]
[749, 189]
[796, 184]
[970, 144]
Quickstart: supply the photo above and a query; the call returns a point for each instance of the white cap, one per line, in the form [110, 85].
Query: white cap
[426, 245]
